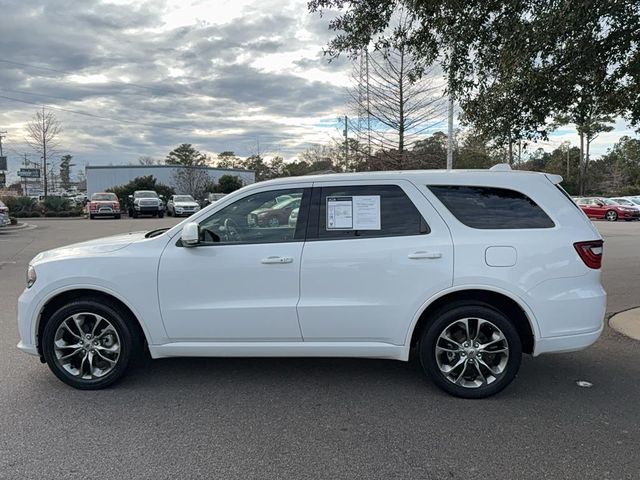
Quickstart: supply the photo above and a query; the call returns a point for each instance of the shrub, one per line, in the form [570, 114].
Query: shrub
[17, 205]
[33, 214]
[13, 220]
[55, 204]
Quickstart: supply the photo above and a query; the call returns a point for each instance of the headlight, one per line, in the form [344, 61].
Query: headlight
[31, 276]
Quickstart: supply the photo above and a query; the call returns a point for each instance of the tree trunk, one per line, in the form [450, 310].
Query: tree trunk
[586, 163]
[401, 123]
[581, 170]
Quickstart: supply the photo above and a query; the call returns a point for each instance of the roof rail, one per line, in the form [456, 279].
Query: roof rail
[501, 167]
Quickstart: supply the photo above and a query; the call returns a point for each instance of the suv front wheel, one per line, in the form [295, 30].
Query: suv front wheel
[87, 344]
[471, 351]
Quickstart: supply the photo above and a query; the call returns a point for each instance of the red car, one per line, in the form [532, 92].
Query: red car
[104, 205]
[597, 207]
[274, 215]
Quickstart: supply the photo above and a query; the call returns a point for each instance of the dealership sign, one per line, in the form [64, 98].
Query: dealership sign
[29, 173]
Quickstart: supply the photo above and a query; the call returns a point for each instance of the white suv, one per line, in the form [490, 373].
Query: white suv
[472, 268]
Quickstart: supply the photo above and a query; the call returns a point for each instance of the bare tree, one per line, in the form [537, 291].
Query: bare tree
[42, 136]
[393, 106]
[191, 180]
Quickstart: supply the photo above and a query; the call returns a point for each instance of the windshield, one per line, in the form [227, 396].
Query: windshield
[145, 195]
[623, 201]
[183, 198]
[636, 201]
[101, 197]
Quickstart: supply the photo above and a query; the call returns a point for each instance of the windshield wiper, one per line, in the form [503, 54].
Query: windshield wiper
[155, 233]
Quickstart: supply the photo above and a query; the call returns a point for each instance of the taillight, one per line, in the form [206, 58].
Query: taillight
[590, 252]
[93, 206]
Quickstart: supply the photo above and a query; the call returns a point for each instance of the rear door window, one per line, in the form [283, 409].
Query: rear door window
[491, 208]
[398, 216]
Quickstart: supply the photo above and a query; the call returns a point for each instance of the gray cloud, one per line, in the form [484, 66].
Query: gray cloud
[194, 77]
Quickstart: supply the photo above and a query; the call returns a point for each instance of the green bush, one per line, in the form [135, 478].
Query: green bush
[33, 214]
[55, 204]
[13, 220]
[20, 205]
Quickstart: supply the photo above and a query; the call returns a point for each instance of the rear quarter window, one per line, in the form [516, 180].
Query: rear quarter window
[491, 208]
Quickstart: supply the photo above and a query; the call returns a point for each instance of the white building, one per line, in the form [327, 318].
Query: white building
[103, 177]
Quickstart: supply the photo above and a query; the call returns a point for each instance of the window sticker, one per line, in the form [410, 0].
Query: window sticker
[360, 212]
[366, 212]
[339, 213]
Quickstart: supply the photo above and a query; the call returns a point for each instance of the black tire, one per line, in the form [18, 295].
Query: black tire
[611, 216]
[92, 217]
[118, 217]
[448, 317]
[119, 320]
[169, 214]
[135, 214]
[160, 214]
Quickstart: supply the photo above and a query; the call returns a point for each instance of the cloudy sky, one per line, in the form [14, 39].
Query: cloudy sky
[138, 78]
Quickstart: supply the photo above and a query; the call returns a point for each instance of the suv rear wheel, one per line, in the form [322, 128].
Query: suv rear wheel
[471, 351]
[87, 344]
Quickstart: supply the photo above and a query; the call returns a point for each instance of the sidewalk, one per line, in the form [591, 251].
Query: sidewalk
[627, 323]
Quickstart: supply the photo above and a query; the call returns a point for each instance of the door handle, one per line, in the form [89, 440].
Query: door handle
[276, 259]
[420, 255]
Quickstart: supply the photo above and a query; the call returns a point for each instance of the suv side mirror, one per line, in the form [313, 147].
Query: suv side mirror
[190, 235]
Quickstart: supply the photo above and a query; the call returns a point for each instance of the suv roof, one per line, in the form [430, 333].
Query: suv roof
[420, 176]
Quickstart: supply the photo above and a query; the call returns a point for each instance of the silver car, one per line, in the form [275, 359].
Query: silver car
[4, 215]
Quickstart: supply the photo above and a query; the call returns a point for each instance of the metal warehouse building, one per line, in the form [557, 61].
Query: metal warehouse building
[100, 178]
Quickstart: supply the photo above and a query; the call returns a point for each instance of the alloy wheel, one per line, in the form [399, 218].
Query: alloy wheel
[87, 346]
[472, 352]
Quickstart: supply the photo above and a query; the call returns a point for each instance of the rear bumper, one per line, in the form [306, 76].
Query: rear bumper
[566, 343]
[570, 312]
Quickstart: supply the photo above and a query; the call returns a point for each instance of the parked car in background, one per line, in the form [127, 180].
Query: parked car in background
[212, 197]
[603, 208]
[276, 213]
[145, 202]
[626, 202]
[369, 271]
[4, 214]
[634, 200]
[179, 205]
[104, 204]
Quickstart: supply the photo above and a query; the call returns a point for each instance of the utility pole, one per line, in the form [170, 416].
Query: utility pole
[346, 143]
[3, 134]
[450, 126]
[24, 179]
[4, 175]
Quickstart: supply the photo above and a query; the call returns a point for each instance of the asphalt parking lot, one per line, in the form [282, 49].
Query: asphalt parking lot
[318, 418]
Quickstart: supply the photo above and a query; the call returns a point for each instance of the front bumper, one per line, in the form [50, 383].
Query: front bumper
[26, 325]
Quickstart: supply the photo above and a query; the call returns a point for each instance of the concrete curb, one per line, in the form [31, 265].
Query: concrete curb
[13, 228]
[627, 323]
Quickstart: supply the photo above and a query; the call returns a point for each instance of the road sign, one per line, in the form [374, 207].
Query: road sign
[29, 173]
[3, 163]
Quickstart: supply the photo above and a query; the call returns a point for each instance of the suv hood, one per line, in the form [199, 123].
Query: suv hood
[91, 247]
[186, 204]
